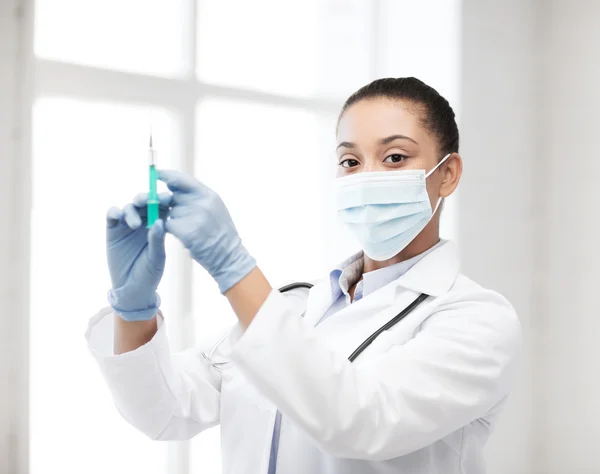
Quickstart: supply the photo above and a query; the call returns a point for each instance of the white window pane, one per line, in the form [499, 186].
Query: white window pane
[86, 157]
[300, 47]
[263, 44]
[432, 52]
[348, 46]
[144, 36]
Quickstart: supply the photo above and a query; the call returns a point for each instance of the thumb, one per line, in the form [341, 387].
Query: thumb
[156, 243]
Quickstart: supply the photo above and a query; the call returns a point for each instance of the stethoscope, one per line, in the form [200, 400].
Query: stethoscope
[390, 324]
[366, 343]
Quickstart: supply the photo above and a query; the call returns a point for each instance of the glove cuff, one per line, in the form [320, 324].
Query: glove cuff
[236, 270]
[143, 314]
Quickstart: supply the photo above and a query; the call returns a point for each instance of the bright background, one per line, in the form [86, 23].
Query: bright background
[245, 94]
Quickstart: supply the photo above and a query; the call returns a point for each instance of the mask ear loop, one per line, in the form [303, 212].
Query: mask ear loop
[439, 201]
[438, 165]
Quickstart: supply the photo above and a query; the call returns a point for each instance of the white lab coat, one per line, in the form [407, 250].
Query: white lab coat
[422, 399]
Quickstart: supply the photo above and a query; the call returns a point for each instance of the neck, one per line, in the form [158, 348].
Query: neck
[428, 237]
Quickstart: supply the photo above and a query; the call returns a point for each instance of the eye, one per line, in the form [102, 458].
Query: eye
[395, 158]
[349, 163]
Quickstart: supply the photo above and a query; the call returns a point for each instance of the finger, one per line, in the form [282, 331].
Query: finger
[140, 203]
[156, 243]
[174, 227]
[113, 217]
[177, 181]
[140, 200]
[132, 218]
[164, 199]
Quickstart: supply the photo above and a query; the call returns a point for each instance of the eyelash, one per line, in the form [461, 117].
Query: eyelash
[396, 154]
[347, 160]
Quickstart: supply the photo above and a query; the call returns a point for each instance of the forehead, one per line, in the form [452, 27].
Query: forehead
[372, 119]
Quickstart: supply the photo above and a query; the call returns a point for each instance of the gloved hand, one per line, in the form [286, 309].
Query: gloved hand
[136, 258]
[200, 220]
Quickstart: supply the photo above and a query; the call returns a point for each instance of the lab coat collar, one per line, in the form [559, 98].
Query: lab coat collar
[349, 270]
[434, 275]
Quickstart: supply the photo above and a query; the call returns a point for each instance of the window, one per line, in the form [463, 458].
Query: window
[246, 101]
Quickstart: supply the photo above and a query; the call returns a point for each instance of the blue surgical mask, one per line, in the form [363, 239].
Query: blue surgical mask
[385, 210]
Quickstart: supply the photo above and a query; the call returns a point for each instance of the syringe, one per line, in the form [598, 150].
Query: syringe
[152, 194]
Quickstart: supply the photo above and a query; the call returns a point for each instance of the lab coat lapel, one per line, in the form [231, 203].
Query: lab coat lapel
[433, 275]
[355, 323]
[320, 298]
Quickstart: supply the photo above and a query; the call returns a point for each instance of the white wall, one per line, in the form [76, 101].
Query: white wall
[529, 208]
[496, 201]
[568, 316]
[15, 61]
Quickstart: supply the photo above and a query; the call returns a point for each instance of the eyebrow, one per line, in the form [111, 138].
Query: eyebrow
[346, 145]
[383, 141]
[391, 138]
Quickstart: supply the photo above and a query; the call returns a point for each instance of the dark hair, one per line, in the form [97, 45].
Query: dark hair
[436, 114]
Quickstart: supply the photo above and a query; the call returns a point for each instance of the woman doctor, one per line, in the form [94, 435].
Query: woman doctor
[422, 398]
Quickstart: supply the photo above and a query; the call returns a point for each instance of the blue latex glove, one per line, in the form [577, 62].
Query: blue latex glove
[136, 258]
[200, 220]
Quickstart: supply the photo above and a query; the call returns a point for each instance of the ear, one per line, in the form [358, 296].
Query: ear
[451, 173]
